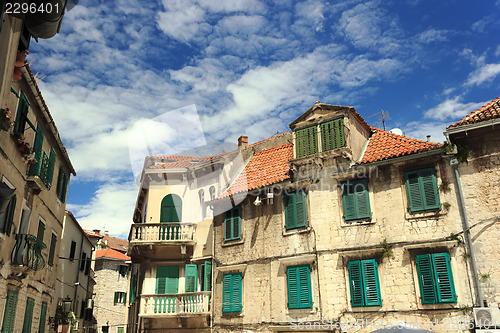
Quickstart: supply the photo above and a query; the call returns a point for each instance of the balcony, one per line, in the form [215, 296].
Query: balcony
[152, 239]
[174, 305]
[39, 172]
[27, 252]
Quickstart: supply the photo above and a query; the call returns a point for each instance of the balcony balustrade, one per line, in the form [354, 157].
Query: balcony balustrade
[162, 232]
[28, 252]
[154, 305]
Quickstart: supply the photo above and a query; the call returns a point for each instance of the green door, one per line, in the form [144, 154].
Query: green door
[171, 211]
[167, 282]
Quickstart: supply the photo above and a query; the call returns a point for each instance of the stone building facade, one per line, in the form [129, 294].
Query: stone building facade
[33, 187]
[477, 140]
[112, 275]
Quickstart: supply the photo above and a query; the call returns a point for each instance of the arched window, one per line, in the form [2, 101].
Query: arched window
[201, 194]
[212, 192]
[171, 208]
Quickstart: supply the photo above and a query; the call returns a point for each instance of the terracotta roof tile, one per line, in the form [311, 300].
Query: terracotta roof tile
[486, 112]
[384, 145]
[266, 167]
[173, 165]
[114, 243]
[111, 254]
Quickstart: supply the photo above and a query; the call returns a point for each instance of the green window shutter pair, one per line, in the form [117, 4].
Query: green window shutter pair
[191, 278]
[41, 230]
[421, 190]
[133, 287]
[295, 210]
[364, 283]
[10, 312]
[232, 224]
[435, 278]
[62, 184]
[120, 329]
[22, 114]
[37, 148]
[232, 293]
[306, 141]
[52, 249]
[332, 134]
[299, 287]
[43, 317]
[171, 208]
[207, 278]
[28, 315]
[356, 200]
[167, 279]
[6, 224]
[120, 297]
[50, 172]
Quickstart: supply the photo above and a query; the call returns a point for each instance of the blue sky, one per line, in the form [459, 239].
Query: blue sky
[251, 67]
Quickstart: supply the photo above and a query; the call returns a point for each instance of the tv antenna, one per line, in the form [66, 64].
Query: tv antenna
[385, 115]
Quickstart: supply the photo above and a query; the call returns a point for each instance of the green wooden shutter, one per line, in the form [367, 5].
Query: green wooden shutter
[371, 283]
[429, 189]
[355, 283]
[332, 134]
[22, 114]
[426, 278]
[52, 250]
[171, 208]
[415, 203]
[191, 278]
[232, 224]
[52, 162]
[120, 330]
[124, 299]
[28, 315]
[10, 312]
[295, 210]
[43, 317]
[64, 188]
[37, 147]
[207, 276]
[443, 278]
[299, 287]
[117, 294]
[306, 141]
[236, 293]
[226, 293]
[356, 200]
[9, 216]
[167, 279]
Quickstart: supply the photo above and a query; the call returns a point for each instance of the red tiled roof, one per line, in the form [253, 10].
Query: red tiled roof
[173, 165]
[93, 234]
[111, 254]
[384, 145]
[266, 167]
[486, 112]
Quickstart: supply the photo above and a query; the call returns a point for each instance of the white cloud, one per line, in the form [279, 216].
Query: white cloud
[111, 208]
[483, 74]
[432, 35]
[452, 109]
[420, 130]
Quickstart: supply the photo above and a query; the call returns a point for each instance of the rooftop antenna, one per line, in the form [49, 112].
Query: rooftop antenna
[385, 115]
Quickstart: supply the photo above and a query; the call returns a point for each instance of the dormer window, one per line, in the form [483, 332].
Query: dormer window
[331, 133]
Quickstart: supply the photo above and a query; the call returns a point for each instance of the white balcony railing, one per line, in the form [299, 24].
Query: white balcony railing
[175, 304]
[161, 232]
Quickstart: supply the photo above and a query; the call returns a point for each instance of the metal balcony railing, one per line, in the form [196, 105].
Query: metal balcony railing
[41, 169]
[175, 304]
[161, 232]
[28, 252]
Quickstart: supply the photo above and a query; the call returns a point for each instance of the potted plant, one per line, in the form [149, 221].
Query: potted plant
[5, 122]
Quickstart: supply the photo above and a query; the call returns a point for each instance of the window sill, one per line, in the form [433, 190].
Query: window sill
[439, 306]
[296, 231]
[232, 314]
[424, 215]
[233, 242]
[361, 309]
[357, 223]
[295, 312]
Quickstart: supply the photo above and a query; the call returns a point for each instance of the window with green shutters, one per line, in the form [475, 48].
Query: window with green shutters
[232, 224]
[299, 287]
[167, 279]
[7, 216]
[62, 185]
[332, 134]
[133, 286]
[171, 208]
[422, 190]
[120, 329]
[191, 278]
[22, 114]
[52, 250]
[356, 200]
[232, 293]
[207, 276]
[435, 278]
[306, 141]
[9, 315]
[37, 148]
[50, 171]
[364, 283]
[43, 318]
[41, 230]
[120, 297]
[295, 210]
[28, 315]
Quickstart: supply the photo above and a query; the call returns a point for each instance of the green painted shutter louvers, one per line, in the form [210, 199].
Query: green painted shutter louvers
[50, 172]
[295, 210]
[232, 293]
[306, 141]
[232, 224]
[421, 190]
[356, 200]
[207, 276]
[364, 283]
[37, 148]
[52, 250]
[191, 278]
[299, 287]
[43, 317]
[444, 278]
[332, 134]
[10, 312]
[28, 315]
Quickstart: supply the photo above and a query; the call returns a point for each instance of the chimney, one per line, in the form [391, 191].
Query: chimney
[428, 137]
[97, 231]
[242, 141]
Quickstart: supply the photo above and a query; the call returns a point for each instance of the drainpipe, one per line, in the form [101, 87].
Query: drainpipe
[77, 283]
[454, 164]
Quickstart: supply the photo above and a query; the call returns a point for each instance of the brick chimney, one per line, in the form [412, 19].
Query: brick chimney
[97, 231]
[242, 141]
